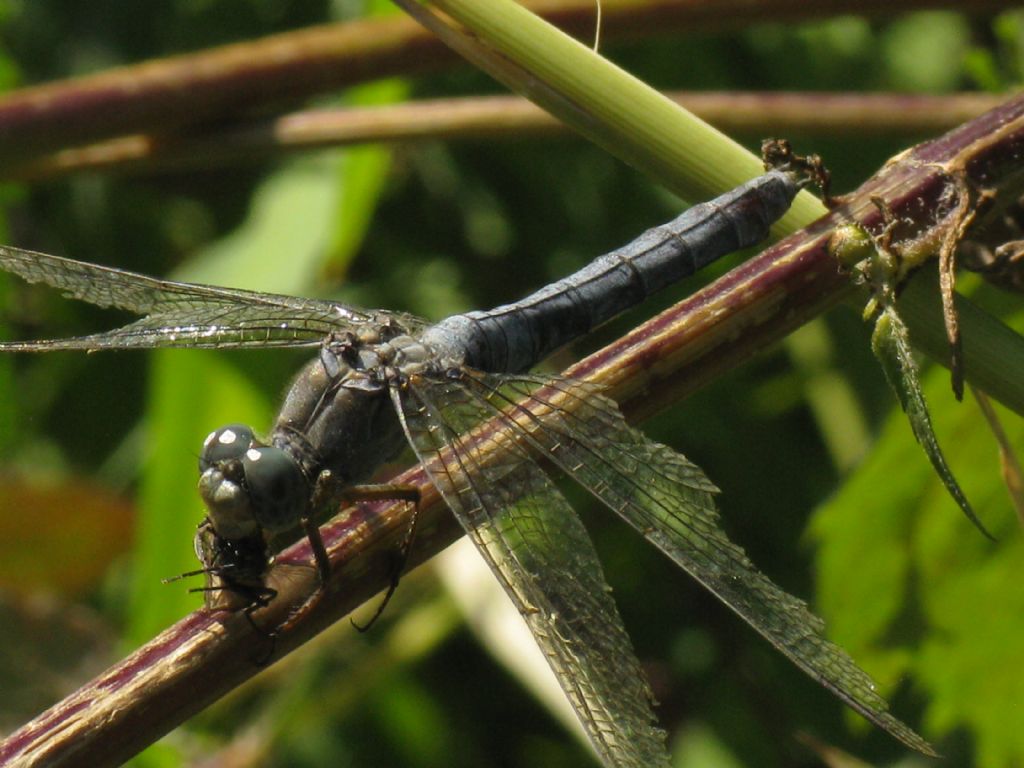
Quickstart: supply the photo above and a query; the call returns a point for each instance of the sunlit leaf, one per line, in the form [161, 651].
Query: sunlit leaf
[918, 595]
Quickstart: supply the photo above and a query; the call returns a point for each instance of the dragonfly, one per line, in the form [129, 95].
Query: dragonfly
[384, 380]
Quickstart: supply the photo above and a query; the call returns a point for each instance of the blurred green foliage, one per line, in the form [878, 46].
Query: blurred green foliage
[916, 595]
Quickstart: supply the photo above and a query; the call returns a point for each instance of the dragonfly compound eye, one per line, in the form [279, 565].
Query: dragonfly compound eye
[222, 482]
[230, 442]
[278, 490]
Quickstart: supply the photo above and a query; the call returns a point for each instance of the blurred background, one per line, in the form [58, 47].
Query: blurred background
[822, 482]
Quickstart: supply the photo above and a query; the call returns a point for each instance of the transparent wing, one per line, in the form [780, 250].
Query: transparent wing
[184, 314]
[539, 551]
[670, 502]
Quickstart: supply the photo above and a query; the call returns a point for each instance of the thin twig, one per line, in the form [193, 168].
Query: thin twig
[759, 114]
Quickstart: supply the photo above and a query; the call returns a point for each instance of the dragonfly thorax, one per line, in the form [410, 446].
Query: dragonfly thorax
[249, 487]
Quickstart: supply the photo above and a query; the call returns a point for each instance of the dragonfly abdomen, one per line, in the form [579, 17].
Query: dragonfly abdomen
[514, 337]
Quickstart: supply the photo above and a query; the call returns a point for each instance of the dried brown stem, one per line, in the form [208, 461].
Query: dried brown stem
[780, 114]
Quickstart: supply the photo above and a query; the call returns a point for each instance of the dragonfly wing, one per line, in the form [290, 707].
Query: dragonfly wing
[542, 556]
[669, 500]
[203, 327]
[181, 314]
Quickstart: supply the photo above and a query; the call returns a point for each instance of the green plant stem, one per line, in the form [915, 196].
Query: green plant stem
[603, 102]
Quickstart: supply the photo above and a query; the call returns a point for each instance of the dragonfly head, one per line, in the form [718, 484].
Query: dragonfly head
[248, 487]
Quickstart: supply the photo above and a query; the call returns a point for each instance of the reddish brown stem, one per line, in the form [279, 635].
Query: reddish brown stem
[209, 653]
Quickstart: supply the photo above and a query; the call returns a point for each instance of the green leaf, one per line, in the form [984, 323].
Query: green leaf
[913, 594]
[890, 342]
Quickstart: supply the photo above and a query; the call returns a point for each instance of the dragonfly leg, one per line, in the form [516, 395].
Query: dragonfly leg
[388, 492]
[323, 570]
[261, 599]
[316, 543]
[353, 494]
